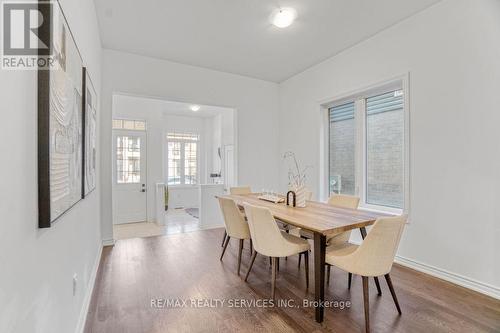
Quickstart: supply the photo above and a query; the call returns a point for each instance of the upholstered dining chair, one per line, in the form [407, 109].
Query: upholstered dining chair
[236, 226]
[236, 191]
[338, 240]
[373, 258]
[269, 240]
[240, 190]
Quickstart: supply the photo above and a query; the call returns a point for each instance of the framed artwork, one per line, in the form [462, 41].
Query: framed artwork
[60, 128]
[89, 134]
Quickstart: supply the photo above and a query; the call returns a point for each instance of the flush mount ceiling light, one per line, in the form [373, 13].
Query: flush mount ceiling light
[194, 108]
[283, 17]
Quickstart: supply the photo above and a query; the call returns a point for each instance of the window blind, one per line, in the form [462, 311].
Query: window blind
[342, 112]
[389, 101]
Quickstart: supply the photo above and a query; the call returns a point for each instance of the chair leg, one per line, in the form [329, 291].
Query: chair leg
[224, 248]
[277, 264]
[273, 277]
[254, 254]
[306, 263]
[239, 255]
[300, 257]
[328, 269]
[287, 230]
[270, 261]
[224, 238]
[251, 246]
[367, 303]
[349, 279]
[379, 291]
[393, 293]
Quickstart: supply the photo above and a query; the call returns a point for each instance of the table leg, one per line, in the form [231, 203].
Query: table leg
[319, 274]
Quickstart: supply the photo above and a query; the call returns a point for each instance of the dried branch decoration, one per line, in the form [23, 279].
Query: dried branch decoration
[296, 176]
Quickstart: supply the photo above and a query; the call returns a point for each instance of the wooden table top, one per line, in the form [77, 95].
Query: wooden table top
[316, 216]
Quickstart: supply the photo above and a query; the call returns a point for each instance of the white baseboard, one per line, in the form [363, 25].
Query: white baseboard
[443, 274]
[455, 278]
[88, 293]
[108, 242]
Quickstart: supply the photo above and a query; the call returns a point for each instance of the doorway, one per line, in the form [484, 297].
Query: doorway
[166, 176]
[129, 175]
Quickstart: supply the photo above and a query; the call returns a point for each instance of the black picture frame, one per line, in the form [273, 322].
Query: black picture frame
[60, 112]
[89, 123]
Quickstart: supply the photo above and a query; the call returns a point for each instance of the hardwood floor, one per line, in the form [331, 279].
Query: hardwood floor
[186, 266]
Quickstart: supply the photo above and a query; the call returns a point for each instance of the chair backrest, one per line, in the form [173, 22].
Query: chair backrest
[240, 190]
[266, 236]
[344, 201]
[375, 255]
[236, 226]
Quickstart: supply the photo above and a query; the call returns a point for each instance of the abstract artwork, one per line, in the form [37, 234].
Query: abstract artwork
[89, 134]
[60, 128]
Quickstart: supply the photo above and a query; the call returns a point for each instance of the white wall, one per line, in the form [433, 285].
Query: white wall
[452, 52]
[37, 265]
[256, 103]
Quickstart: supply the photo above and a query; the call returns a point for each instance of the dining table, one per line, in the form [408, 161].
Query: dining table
[322, 220]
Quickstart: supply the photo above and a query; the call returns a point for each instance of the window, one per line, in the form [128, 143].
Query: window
[342, 142]
[368, 148]
[182, 160]
[384, 150]
[137, 125]
[128, 159]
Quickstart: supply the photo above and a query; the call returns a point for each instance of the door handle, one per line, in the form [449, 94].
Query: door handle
[143, 190]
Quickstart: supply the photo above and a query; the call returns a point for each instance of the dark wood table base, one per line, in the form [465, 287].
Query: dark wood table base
[319, 274]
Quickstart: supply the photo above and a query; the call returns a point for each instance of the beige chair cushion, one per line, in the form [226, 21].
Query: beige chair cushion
[302, 244]
[240, 190]
[234, 220]
[267, 238]
[344, 201]
[339, 239]
[375, 256]
[341, 250]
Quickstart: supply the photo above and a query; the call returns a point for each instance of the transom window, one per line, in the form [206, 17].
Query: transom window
[368, 146]
[125, 124]
[182, 160]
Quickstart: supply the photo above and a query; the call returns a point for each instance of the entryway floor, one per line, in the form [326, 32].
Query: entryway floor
[176, 221]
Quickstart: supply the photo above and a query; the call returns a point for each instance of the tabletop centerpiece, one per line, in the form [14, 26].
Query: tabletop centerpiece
[296, 180]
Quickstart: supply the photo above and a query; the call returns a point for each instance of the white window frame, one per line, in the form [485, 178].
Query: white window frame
[183, 161]
[359, 97]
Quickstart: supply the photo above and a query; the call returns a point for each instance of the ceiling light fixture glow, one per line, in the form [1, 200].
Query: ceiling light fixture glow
[283, 17]
[194, 108]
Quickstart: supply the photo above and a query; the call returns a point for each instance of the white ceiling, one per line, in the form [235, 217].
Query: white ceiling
[236, 36]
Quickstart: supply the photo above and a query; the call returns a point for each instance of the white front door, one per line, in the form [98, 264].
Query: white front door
[129, 176]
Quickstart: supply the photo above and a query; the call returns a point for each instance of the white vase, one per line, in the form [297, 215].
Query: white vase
[300, 196]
